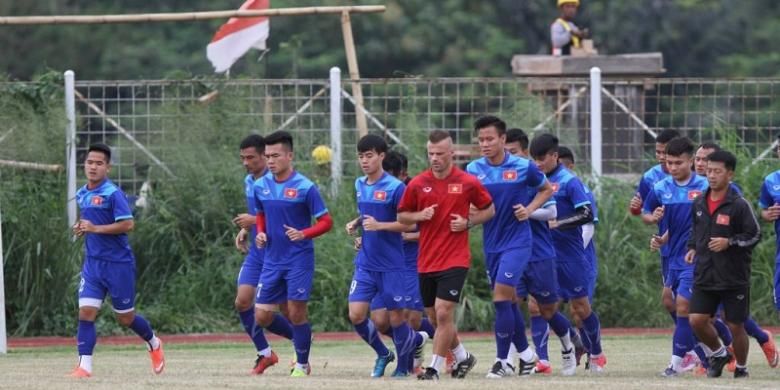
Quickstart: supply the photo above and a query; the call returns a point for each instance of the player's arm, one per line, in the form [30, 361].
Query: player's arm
[749, 233]
[770, 210]
[546, 213]
[582, 214]
[118, 227]
[483, 215]
[543, 195]
[652, 211]
[411, 236]
[370, 224]
[351, 226]
[323, 225]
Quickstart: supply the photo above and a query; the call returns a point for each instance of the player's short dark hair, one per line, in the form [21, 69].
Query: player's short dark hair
[371, 142]
[679, 146]
[517, 135]
[727, 158]
[666, 135]
[253, 141]
[404, 160]
[101, 148]
[393, 163]
[489, 120]
[564, 152]
[437, 136]
[543, 144]
[709, 145]
[280, 137]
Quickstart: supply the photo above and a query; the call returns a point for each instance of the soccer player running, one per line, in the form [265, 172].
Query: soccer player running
[649, 179]
[438, 202]
[539, 283]
[379, 263]
[286, 201]
[566, 157]
[109, 265]
[763, 337]
[669, 206]
[252, 152]
[574, 209]
[507, 236]
[724, 233]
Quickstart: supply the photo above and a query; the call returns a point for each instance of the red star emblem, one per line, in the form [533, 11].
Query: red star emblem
[455, 188]
[97, 201]
[723, 219]
[380, 195]
[693, 194]
[290, 193]
[510, 175]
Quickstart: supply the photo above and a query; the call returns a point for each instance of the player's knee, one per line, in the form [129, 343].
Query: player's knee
[737, 329]
[699, 321]
[415, 320]
[298, 315]
[682, 307]
[356, 317]
[243, 304]
[546, 311]
[263, 317]
[88, 313]
[443, 316]
[125, 319]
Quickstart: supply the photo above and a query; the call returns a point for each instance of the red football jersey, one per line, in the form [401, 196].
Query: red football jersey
[440, 247]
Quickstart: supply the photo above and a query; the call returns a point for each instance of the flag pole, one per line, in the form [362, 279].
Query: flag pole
[354, 73]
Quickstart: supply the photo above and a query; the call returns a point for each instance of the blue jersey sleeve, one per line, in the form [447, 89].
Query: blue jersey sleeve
[316, 204]
[258, 203]
[120, 207]
[765, 200]
[398, 194]
[576, 191]
[651, 203]
[644, 189]
[534, 177]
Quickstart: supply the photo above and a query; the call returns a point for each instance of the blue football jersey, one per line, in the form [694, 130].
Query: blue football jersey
[646, 184]
[569, 195]
[381, 250]
[249, 191]
[411, 251]
[508, 184]
[678, 208]
[104, 205]
[770, 195]
[293, 202]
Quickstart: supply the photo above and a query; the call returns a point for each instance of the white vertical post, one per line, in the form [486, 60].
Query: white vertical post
[335, 130]
[70, 142]
[3, 339]
[595, 123]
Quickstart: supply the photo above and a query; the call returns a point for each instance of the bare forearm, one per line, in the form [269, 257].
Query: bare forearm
[115, 228]
[408, 217]
[481, 216]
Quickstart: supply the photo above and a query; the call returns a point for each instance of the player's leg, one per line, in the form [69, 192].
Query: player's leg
[683, 340]
[667, 294]
[362, 290]
[574, 285]
[406, 340]
[299, 283]
[90, 295]
[449, 290]
[736, 304]
[120, 282]
[428, 296]
[544, 289]
[703, 305]
[247, 280]
[380, 317]
[509, 268]
[765, 340]
[269, 298]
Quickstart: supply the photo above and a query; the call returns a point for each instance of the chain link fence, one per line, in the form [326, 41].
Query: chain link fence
[147, 121]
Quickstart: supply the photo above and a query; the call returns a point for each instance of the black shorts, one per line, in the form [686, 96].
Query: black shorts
[446, 285]
[736, 303]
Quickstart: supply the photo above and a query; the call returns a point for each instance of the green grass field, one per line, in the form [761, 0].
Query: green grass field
[634, 363]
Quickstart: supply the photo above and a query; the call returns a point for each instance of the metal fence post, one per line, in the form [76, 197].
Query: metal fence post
[595, 122]
[70, 142]
[335, 130]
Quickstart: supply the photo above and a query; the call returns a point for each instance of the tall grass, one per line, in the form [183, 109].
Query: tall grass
[183, 241]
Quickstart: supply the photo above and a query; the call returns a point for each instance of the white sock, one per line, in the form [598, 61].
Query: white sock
[460, 353]
[527, 355]
[566, 344]
[436, 362]
[677, 363]
[706, 349]
[741, 367]
[153, 344]
[512, 356]
[721, 352]
[85, 363]
[301, 366]
[265, 353]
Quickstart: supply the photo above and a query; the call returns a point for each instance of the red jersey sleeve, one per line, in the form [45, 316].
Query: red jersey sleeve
[409, 199]
[480, 197]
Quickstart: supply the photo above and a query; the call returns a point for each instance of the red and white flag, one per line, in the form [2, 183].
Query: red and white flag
[237, 36]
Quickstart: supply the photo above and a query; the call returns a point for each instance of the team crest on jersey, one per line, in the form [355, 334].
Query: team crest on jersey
[693, 194]
[555, 187]
[723, 219]
[455, 188]
[776, 187]
[290, 193]
[380, 195]
[510, 175]
[97, 200]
